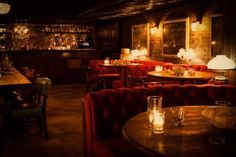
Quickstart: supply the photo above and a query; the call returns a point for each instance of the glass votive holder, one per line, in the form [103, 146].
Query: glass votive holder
[177, 116]
[158, 121]
[153, 103]
[158, 68]
[150, 115]
[106, 60]
[223, 103]
[216, 135]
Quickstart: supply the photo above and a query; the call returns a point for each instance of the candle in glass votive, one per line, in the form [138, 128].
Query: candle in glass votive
[158, 122]
[150, 117]
[158, 68]
[153, 103]
[185, 73]
[106, 61]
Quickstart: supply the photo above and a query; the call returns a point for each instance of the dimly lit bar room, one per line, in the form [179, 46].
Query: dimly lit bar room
[117, 78]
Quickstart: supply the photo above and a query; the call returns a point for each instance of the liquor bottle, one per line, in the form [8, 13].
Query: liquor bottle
[5, 62]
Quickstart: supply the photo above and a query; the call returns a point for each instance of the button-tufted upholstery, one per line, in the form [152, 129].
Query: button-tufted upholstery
[107, 110]
[99, 77]
[136, 72]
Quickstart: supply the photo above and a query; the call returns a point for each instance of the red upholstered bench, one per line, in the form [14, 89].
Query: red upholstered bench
[98, 76]
[136, 74]
[107, 110]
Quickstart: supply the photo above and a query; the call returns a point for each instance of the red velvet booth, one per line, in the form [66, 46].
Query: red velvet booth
[99, 77]
[107, 110]
[136, 74]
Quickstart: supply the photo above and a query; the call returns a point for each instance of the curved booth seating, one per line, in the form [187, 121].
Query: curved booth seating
[106, 111]
[99, 77]
[135, 74]
[28, 112]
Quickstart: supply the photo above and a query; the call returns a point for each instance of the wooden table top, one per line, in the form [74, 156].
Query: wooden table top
[13, 78]
[169, 74]
[121, 65]
[189, 140]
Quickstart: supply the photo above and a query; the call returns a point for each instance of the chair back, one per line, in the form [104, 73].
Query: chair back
[42, 87]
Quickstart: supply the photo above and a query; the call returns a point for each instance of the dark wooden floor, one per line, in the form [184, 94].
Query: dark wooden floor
[64, 113]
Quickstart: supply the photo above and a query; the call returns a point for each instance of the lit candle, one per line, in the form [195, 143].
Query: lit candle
[150, 117]
[185, 73]
[106, 61]
[158, 122]
[158, 68]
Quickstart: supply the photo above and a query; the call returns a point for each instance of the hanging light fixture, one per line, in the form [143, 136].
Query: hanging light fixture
[4, 7]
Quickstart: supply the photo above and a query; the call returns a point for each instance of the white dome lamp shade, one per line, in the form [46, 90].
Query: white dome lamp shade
[221, 64]
[4, 7]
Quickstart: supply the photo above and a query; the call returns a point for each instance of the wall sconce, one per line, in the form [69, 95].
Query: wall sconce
[221, 64]
[194, 25]
[157, 31]
[197, 26]
[5, 7]
[153, 30]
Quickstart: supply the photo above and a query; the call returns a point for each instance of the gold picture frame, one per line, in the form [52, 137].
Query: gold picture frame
[175, 36]
[140, 36]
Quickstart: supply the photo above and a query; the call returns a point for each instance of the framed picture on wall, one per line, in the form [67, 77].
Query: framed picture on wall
[175, 36]
[140, 36]
[216, 34]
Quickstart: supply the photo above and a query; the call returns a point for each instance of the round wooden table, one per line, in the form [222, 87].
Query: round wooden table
[189, 140]
[199, 77]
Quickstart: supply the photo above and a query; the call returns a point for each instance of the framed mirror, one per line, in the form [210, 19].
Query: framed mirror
[175, 36]
[140, 36]
[216, 34]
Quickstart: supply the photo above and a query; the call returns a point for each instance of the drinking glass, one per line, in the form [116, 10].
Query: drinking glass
[220, 103]
[177, 116]
[216, 135]
[153, 103]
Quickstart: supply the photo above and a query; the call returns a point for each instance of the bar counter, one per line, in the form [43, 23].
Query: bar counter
[61, 66]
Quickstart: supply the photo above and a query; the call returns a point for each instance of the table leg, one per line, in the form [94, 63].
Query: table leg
[123, 76]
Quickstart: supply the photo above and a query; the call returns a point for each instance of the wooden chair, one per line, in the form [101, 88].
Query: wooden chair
[29, 73]
[31, 111]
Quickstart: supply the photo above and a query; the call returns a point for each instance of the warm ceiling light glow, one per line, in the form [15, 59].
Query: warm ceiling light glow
[197, 26]
[213, 42]
[194, 25]
[153, 30]
[4, 7]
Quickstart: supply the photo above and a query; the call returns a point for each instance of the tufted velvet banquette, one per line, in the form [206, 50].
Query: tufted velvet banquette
[134, 73]
[107, 110]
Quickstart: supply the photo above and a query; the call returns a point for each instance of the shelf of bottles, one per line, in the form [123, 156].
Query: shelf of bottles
[4, 38]
[68, 36]
[67, 28]
[25, 36]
